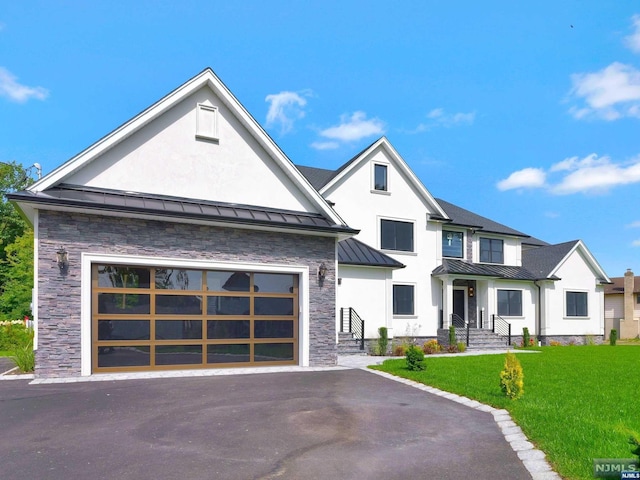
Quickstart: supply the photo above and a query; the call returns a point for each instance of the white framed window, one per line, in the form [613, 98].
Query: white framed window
[452, 244]
[404, 299]
[396, 235]
[380, 178]
[576, 304]
[207, 122]
[491, 250]
[510, 303]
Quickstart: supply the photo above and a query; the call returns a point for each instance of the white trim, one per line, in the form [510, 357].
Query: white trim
[415, 299]
[87, 259]
[521, 290]
[589, 257]
[375, 164]
[565, 315]
[465, 290]
[399, 162]
[205, 78]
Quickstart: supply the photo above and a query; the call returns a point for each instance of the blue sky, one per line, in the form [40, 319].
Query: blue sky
[525, 112]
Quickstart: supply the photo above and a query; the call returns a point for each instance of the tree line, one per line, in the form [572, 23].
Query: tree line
[16, 247]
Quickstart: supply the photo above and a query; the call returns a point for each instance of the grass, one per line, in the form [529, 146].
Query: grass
[579, 402]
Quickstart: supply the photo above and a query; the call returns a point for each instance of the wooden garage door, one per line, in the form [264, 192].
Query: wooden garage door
[152, 318]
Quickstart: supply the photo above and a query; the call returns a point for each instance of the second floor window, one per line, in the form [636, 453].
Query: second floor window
[380, 177]
[396, 235]
[491, 250]
[452, 244]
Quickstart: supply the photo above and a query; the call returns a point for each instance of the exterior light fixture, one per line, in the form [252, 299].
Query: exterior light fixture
[62, 257]
[322, 272]
[472, 291]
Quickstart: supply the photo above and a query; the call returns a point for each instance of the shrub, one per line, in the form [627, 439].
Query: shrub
[374, 349]
[555, 343]
[453, 348]
[400, 350]
[613, 337]
[415, 359]
[590, 340]
[13, 334]
[512, 377]
[462, 347]
[431, 346]
[525, 337]
[383, 340]
[25, 358]
[452, 335]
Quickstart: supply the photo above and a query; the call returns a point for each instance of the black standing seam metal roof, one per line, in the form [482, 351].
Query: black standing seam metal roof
[460, 267]
[103, 199]
[354, 252]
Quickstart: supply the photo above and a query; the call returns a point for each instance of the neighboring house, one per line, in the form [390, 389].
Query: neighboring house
[622, 306]
[459, 268]
[183, 239]
[187, 239]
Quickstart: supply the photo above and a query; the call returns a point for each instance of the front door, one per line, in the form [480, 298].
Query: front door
[459, 308]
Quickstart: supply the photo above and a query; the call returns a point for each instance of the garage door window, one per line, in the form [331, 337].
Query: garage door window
[159, 318]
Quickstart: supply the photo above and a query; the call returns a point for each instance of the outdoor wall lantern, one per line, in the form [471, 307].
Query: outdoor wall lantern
[322, 272]
[472, 291]
[62, 257]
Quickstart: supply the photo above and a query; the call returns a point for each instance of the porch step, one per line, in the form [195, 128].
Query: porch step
[480, 339]
[347, 345]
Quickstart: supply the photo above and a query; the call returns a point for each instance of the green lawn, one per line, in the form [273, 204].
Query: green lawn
[579, 402]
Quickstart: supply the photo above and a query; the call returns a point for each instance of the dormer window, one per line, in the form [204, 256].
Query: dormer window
[380, 178]
[452, 244]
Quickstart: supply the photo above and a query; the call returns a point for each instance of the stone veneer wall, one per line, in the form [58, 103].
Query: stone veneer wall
[59, 294]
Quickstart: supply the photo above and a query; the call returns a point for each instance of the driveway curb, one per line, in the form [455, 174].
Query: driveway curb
[534, 460]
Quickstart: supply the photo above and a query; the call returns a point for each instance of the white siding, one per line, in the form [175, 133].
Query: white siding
[165, 157]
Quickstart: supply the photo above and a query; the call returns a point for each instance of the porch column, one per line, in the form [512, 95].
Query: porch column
[491, 299]
[447, 300]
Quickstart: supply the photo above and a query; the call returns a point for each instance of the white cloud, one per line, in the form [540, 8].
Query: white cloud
[439, 118]
[610, 93]
[635, 224]
[635, 243]
[591, 174]
[598, 178]
[11, 89]
[525, 178]
[285, 108]
[354, 127]
[633, 40]
[552, 214]
[325, 145]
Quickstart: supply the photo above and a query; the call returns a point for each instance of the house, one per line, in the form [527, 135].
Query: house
[622, 306]
[187, 239]
[454, 267]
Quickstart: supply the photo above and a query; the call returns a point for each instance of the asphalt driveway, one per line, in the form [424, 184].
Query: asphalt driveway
[341, 424]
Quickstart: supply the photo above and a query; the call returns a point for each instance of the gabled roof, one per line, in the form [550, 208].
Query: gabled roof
[355, 252]
[205, 78]
[465, 218]
[328, 181]
[163, 206]
[317, 177]
[544, 262]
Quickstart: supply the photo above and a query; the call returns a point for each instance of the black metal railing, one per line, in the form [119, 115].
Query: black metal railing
[351, 322]
[461, 326]
[501, 327]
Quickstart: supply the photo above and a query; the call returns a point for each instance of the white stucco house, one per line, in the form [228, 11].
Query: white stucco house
[187, 239]
[452, 266]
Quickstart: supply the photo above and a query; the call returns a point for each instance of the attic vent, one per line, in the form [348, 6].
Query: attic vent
[207, 122]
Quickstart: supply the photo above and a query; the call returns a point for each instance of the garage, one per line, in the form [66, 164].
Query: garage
[159, 318]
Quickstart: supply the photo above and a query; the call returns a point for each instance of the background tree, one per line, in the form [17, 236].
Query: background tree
[16, 246]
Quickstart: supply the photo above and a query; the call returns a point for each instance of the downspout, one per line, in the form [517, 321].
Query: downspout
[539, 312]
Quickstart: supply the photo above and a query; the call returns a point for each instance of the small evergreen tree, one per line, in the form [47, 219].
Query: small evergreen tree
[512, 377]
[383, 340]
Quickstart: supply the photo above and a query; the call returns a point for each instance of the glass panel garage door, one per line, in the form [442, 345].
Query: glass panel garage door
[146, 318]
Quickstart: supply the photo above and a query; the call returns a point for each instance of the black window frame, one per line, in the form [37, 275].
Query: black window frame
[384, 185]
[389, 238]
[445, 233]
[408, 309]
[576, 304]
[491, 254]
[513, 309]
